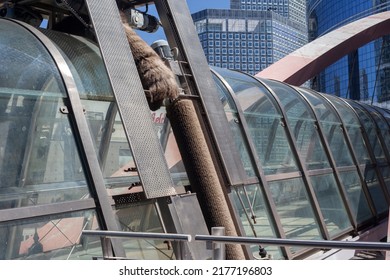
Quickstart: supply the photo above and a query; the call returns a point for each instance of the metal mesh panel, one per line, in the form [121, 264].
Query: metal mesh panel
[128, 91]
[128, 199]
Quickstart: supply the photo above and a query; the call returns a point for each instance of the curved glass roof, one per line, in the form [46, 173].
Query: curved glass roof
[315, 166]
[323, 159]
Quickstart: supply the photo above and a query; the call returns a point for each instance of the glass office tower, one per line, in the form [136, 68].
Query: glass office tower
[363, 74]
[251, 36]
[294, 10]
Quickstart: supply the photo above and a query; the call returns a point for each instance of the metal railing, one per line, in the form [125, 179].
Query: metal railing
[179, 239]
[140, 235]
[218, 241]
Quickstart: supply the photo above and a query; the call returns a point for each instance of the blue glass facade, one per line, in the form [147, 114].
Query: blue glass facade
[294, 10]
[363, 74]
[247, 40]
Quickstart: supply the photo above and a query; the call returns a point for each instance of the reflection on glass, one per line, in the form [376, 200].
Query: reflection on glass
[331, 204]
[50, 238]
[371, 132]
[302, 123]
[309, 144]
[331, 127]
[109, 138]
[39, 161]
[105, 124]
[255, 217]
[294, 209]
[352, 124]
[270, 140]
[356, 197]
[375, 190]
[240, 144]
[384, 126]
[264, 123]
[385, 171]
[233, 120]
[337, 143]
[143, 217]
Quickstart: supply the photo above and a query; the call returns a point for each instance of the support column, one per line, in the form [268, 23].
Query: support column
[201, 171]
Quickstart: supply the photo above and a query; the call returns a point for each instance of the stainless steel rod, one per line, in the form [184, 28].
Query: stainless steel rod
[139, 235]
[324, 244]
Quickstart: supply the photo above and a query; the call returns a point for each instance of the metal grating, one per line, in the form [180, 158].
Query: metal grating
[128, 199]
[129, 94]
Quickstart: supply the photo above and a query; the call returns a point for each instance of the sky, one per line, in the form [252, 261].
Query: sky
[194, 6]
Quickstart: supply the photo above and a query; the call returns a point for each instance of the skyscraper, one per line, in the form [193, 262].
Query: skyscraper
[363, 74]
[294, 10]
[252, 34]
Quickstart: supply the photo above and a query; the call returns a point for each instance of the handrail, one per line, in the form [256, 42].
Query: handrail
[139, 235]
[219, 251]
[324, 244]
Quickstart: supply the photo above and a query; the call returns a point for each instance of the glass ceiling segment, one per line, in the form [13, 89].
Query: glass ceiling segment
[264, 122]
[352, 124]
[104, 122]
[273, 147]
[312, 150]
[26, 65]
[303, 127]
[371, 131]
[383, 127]
[331, 126]
[251, 95]
[39, 161]
[249, 200]
[234, 124]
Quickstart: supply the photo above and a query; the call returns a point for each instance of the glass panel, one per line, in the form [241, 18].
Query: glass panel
[105, 124]
[241, 144]
[25, 65]
[264, 123]
[371, 132]
[224, 95]
[386, 115]
[331, 204]
[251, 95]
[383, 127]
[302, 123]
[337, 143]
[309, 144]
[375, 190]
[50, 238]
[385, 171]
[294, 209]
[356, 196]
[238, 134]
[358, 144]
[143, 217]
[271, 143]
[331, 127]
[352, 124]
[39, 162]
[255, 217]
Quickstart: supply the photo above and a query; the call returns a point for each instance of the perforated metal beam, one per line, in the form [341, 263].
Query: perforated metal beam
[130, 97]
[182, 34]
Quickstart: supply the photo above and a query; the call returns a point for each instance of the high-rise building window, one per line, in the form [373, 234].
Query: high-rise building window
[239, 32]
